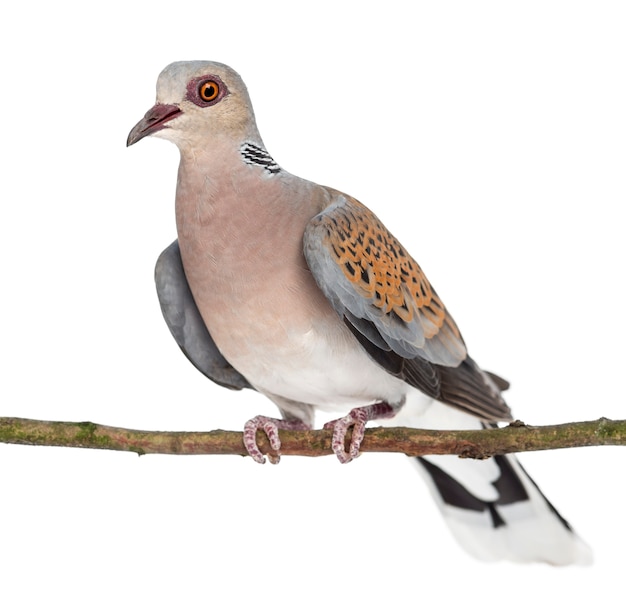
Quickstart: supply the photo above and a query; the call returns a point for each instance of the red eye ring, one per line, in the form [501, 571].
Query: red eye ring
[208, 90]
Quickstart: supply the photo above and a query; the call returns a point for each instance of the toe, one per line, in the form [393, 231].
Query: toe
[270, 428]
[340, 430]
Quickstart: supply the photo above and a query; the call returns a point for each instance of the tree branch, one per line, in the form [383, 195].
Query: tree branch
[478, 444]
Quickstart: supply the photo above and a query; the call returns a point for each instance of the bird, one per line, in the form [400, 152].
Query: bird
[299, 292]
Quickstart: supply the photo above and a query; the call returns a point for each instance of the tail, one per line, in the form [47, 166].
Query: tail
[493, 507]
[507, 518]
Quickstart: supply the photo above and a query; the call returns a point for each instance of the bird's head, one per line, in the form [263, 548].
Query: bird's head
[196, 102]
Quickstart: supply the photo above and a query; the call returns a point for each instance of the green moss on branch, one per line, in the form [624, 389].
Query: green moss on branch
[478, 444]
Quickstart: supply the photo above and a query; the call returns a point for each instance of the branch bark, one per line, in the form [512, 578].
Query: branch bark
[477, 444]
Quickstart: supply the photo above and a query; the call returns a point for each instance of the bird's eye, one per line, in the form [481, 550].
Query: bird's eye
[209, 90]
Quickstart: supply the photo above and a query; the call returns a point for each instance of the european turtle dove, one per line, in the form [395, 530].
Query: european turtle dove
[300, 292]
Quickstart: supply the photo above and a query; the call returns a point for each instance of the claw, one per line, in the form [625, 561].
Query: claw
[357, 418]
[270, 426]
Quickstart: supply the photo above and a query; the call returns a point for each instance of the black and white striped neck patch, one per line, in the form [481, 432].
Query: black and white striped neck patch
[258, 156]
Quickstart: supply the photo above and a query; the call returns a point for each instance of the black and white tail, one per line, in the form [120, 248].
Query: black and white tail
[493, 507]
[508, 519]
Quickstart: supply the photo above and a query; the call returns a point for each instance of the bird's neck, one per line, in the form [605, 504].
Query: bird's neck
[233, 204]
[220, 190]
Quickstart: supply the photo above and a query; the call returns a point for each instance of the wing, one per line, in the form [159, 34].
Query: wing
[183, 318]
[391, 308]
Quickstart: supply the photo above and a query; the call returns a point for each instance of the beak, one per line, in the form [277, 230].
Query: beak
[152, 122]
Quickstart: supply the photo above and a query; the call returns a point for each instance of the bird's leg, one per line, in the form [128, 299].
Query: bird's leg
[270, 426]
[358, 417]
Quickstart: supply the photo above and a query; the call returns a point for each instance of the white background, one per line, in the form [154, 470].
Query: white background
[489, 137]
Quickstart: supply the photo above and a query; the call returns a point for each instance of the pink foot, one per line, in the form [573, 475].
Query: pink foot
[270, 426]
[358, 417]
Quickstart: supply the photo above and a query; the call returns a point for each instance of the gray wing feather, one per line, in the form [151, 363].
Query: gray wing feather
[384, 298]
[337, 237]
[186, 325]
